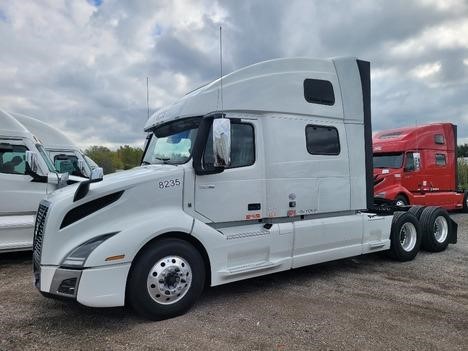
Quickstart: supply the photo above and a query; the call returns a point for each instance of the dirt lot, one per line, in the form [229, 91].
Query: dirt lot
[367, 302]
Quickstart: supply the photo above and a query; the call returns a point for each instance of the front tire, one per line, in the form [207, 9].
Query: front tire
[401, 201]
[405, 237]
[435, 225]
[166, 279]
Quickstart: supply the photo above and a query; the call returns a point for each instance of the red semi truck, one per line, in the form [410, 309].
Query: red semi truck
[418, 166]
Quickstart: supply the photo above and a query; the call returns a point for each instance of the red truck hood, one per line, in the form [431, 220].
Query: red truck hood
[388, 174]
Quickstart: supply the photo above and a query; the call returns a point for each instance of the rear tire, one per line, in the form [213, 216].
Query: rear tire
[405, 237]
[166, 279]
[401, 200]
[416, 210]
[435, 226]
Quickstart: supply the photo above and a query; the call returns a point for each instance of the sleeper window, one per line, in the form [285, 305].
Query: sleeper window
[12, 159]
[242, 146]
[440, 160]
[321, 140]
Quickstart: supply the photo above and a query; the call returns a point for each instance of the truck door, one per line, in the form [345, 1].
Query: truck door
[19, 196]
[238, 193]
[411, 177]
[235, 200]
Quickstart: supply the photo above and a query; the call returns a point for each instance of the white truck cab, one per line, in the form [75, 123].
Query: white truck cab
[66, 156]
[278, 176]
[26, 176]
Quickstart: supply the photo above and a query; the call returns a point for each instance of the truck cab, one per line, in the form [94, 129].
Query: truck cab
[417, 166]
[65, 155]
[26, 176]
[277, 175]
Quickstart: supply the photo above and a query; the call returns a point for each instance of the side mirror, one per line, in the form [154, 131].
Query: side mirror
[32, 161]
[83, 169]
[222, 142]
[59, 179]
[96, 175]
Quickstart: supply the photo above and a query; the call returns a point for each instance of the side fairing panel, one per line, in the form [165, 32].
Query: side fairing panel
[316, 183]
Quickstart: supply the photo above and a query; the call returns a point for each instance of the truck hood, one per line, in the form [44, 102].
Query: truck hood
[389, 175]
[117, 181]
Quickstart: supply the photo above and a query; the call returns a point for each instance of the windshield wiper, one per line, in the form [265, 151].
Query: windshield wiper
[145, 163]
[164, 159]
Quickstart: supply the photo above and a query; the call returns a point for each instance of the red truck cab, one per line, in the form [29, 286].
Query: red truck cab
[418, 166]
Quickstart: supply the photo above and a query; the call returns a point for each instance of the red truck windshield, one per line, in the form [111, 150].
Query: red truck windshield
[393, 160]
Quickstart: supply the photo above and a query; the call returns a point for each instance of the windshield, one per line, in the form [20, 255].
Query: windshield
[172, 143]
[46, 158]
[394, 160]
[67, 163]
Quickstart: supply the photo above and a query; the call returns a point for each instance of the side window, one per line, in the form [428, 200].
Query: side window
[439, 139]
[242, 146]
[12, 159]
[318, 91]
[440, 160]
[409, 162]
[321, 140]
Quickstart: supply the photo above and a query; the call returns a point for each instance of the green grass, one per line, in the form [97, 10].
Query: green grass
[463, 175]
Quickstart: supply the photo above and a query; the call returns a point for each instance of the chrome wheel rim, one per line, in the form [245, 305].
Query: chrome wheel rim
[169, 280]
[400, 203]
[408, 236]
[440, 229]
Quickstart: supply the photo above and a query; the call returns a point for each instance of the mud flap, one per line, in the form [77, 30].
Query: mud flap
[453, 227]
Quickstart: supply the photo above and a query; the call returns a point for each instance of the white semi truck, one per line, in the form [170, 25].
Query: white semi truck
[26, 176]
[66, 156]
[277, 176]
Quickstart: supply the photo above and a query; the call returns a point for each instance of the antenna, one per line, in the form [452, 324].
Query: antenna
[147, 95]
[221, 66]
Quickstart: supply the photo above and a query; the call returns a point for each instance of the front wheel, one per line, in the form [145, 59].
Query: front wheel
[405, 236]
[166, 279]
[401, 201]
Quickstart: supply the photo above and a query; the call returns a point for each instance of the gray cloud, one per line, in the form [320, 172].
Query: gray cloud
[84, 67]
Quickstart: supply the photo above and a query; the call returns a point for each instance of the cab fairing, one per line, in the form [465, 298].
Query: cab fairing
[140, 211]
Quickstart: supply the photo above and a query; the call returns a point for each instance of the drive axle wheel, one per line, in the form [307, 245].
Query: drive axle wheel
[405, 237]
[435, 225]
[416, 210]
[166, 279]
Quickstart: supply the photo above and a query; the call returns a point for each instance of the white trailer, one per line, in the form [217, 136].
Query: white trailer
[66, 156]
[26, 176]
[277, 176]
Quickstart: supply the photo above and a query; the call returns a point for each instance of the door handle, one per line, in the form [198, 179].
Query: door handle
[207, 186]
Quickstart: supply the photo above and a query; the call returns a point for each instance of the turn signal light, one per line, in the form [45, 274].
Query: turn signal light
[115, 258]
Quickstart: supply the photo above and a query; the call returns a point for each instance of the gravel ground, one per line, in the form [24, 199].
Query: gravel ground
[365, 303]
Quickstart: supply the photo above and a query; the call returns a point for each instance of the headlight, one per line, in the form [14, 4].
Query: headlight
[381, 195]
[77, 257]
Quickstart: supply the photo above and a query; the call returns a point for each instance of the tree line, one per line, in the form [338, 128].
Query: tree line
[125, 157]
[462, 150]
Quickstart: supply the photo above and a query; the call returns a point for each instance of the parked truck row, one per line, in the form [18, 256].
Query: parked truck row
[35, 160]
[279, 176]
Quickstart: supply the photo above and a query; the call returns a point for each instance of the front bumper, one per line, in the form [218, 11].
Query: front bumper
[94, 287]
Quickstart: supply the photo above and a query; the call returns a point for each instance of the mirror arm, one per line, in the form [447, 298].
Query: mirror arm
[36, 178]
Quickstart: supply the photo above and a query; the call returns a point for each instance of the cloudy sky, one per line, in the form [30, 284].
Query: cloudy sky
[82, 65]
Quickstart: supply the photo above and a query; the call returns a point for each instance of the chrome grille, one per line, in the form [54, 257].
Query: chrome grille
[39, 232]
